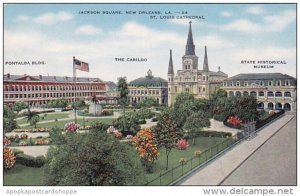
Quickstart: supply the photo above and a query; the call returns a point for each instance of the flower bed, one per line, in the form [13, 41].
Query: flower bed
[32, 130]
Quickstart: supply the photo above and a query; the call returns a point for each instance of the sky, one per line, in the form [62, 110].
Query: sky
[54, 33]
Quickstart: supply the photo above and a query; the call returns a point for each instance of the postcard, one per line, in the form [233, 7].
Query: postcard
[150, 94]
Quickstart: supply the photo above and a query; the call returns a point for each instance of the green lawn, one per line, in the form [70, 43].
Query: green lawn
[61, 124]
[51, 116]
[22, 175]
[202, 143]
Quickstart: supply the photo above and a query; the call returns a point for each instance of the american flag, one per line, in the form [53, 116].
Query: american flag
[82, 66]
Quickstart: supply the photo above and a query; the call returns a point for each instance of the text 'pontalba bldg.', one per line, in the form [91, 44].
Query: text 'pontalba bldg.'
[199, 83]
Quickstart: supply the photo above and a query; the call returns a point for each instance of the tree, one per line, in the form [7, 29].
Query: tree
[79, 104]
[34, 120]
[147, 103]
[9, 122]
[20, 105]
[245, 108]
[123, 99]
[129, 123]
[185, 105]
[146, 147]
[167, 132]
[195, 122]
[91, 159]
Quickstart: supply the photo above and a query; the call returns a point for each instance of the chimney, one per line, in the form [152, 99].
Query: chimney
[41, 77]
[8, 75]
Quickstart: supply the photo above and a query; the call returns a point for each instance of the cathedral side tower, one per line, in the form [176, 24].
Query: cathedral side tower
[171, 90]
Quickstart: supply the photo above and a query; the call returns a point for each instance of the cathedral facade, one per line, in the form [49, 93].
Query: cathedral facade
[199, 83]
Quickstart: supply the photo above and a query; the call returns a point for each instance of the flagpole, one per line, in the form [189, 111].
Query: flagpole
[74, 80]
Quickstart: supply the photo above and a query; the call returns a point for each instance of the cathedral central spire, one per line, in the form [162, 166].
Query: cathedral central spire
[190, 47]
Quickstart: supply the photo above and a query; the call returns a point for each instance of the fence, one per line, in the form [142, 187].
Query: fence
[170, 176]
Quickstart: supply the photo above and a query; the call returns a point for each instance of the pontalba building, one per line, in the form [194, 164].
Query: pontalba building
[272, 90]
[148, 87]
[38, 90]
[199, 83]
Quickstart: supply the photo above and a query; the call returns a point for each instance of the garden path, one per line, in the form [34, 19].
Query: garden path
[33, 150]
[219, 126]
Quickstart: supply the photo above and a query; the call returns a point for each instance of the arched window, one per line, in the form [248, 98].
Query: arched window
[238, 93]
[253, 93]
[278, 94]
[231, 93]
[261, 94]
[260, 105]
[245, 93]
[270, 106]
[287, 94]
[270, 94]
[278, 106]
[238, 83]
[287, 106]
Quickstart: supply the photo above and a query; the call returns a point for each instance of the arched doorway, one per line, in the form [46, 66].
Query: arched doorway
[278, 106]
[287, 107]
[238, 93]
[260, 105]
[231, 93]
[270, 106]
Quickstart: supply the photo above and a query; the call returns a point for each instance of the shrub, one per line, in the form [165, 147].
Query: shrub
[97, 125]
[9, 158]
[107, 113]
[6, 141]
[30, 161]
[118, 135]
[183, 161]
[146, 147]
[197, 153]
[71, 127]
[182, 144]
[24, 136]
[23, 143]
[17, 151]
[214, 134]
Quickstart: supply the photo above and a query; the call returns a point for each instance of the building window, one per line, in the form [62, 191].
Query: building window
[203, 78]
[203, 89]
[270, 94]
[261, 94]
[199, 89]
[270, 83]
[245, 83]
[175, 89]
[194, 78]
[287, 94]
[261, 83]
[231, 93]
[224, 83]
[238, 83]
[238, 93]
[278, 94]
[231, 83]
[287, 83]
[253, 93]
[278, 83]
[187, 90]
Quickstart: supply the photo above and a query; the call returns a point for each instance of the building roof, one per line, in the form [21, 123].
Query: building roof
[149, 81]
[8, 77]
[111, 86]
[261, 76]
[205, 63]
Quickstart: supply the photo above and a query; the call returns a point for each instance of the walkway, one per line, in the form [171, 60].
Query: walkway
[216, 171]
[219, 126]
[33, 150]
[281, 154]
[71, 117]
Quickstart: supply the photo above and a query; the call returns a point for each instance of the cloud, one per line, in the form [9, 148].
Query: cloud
[215, 41]
[226, 14]
[53, 18]
[87, 30]
[185, 22]
[244, 25]
[270, 23]
[255, 10]
[49, 18]
[22, 18]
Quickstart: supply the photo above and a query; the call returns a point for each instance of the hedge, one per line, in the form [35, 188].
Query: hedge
[261, 123]
[210, 134]
[30, 161]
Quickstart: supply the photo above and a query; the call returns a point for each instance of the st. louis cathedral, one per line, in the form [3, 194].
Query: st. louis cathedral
[199, 83]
